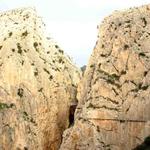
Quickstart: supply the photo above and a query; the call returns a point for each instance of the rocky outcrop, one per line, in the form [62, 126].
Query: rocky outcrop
[37, 84]
[114, 96]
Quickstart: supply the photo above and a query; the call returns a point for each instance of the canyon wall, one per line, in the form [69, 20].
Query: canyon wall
[114, 95]
[37, 84]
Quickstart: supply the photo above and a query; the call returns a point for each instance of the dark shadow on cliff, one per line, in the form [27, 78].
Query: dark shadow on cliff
[145, 145]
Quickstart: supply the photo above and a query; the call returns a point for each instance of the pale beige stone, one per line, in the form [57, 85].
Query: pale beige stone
[37, 84]
[114, 95]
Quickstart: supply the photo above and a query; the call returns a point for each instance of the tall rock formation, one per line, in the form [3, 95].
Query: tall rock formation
[37, 84]
[114, 95]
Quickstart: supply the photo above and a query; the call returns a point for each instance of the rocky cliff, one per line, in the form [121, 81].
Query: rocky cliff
[114, 95]
[37, 84]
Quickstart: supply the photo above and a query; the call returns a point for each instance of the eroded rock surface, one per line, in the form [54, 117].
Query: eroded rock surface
[114, 95]
[37, 84]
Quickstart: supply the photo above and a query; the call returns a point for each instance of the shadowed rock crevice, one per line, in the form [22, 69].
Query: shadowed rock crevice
[71, 114]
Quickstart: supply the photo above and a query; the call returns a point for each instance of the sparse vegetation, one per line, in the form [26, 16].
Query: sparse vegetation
[20, 92]
[5, 105]
[56, 46]
[51, 77]
[10, 34]
[26, 117]
[19, 48]
[35, 44]
[61, 51]
[13, 50]
[46, 70]
[24, 34]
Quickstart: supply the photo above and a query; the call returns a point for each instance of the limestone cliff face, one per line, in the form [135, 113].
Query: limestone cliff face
[114, 95]
[37, 84]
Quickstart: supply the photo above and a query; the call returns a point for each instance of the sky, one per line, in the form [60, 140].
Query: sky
[73, 23]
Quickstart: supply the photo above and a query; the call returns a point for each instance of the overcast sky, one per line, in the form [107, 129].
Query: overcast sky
[73, 23]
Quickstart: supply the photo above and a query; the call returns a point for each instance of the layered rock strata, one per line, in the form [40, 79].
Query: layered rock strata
[114, 95]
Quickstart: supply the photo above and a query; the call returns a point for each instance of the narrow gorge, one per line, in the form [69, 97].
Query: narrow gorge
[47, 103]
